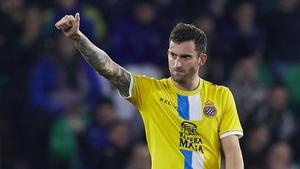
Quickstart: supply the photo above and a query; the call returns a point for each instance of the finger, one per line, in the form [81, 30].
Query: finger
[66, 23]
[64, 27]
[60, 22]
[77, 17]
[64, 19]
[56, 25]
[70, 19]
[59, 25]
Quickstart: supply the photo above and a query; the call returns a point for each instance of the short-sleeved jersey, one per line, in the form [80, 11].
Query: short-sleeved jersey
[184, 128]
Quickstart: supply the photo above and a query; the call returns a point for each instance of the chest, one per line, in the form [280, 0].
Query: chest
[193, 114]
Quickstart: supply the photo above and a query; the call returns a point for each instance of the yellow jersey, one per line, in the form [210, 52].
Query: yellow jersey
[184, 128]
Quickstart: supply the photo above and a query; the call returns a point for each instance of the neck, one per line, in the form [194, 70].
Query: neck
[188, 85]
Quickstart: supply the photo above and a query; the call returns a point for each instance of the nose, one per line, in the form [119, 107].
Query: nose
[177, 63]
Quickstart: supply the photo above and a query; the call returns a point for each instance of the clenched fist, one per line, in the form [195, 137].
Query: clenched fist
[69, 25]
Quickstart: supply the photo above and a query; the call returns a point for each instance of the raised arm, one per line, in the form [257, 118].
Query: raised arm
[96, 57]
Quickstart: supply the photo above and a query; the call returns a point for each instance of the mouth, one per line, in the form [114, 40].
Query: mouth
[178, 71]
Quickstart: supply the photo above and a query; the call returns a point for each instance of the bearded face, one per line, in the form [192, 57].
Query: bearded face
[183, 61]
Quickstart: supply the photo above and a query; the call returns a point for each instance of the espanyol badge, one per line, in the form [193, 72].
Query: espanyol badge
[209, 109]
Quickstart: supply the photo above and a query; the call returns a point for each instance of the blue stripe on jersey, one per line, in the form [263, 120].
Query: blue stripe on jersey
[183, 106]
[183, 110]
[187, 159]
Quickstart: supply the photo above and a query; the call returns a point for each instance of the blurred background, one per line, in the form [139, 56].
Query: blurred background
[57, 113]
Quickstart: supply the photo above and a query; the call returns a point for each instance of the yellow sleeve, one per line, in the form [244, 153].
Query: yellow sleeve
[141, 89]
[230, 123]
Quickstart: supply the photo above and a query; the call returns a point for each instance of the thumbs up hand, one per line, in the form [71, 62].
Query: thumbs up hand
[69, 25]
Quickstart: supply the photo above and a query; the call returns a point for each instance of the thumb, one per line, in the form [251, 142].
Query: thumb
[77, 17]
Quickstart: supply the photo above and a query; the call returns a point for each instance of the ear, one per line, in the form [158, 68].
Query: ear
[202, 59]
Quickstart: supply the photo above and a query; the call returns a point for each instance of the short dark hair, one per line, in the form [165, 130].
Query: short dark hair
[185, 32]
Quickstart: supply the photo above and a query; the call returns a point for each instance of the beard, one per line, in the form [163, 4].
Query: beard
[182, 76]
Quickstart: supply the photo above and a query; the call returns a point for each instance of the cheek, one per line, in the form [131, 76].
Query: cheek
[170, 61]
[193, 66]
[188, 63]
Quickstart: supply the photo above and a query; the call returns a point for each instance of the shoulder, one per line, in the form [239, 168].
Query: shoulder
[144, 78]
[149, 83]
[215, 87]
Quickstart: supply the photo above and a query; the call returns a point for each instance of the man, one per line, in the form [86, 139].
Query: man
[186, 118]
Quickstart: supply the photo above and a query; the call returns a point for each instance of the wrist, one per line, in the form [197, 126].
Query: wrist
[76, 36]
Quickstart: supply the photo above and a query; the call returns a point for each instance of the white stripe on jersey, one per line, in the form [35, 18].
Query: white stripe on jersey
[195, 107]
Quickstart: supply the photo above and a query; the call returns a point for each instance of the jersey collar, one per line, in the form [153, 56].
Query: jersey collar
[184, 92]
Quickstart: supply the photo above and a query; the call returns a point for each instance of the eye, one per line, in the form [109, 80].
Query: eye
[173, 55]
[186, 56]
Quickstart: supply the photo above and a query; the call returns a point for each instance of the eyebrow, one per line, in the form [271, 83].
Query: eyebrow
[184, 55]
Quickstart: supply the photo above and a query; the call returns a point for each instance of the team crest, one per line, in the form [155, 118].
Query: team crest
[209, 109]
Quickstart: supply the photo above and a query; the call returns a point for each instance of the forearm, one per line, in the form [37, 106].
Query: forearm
[232, 153]
[96, 57]
[102, 63]
[234, 162]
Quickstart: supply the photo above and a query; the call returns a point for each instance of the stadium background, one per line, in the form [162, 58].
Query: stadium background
[56, 113]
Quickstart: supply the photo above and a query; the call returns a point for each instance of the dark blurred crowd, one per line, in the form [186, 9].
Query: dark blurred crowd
[57, 113]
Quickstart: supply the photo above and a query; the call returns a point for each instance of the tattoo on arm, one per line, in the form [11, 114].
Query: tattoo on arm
[103, 64]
